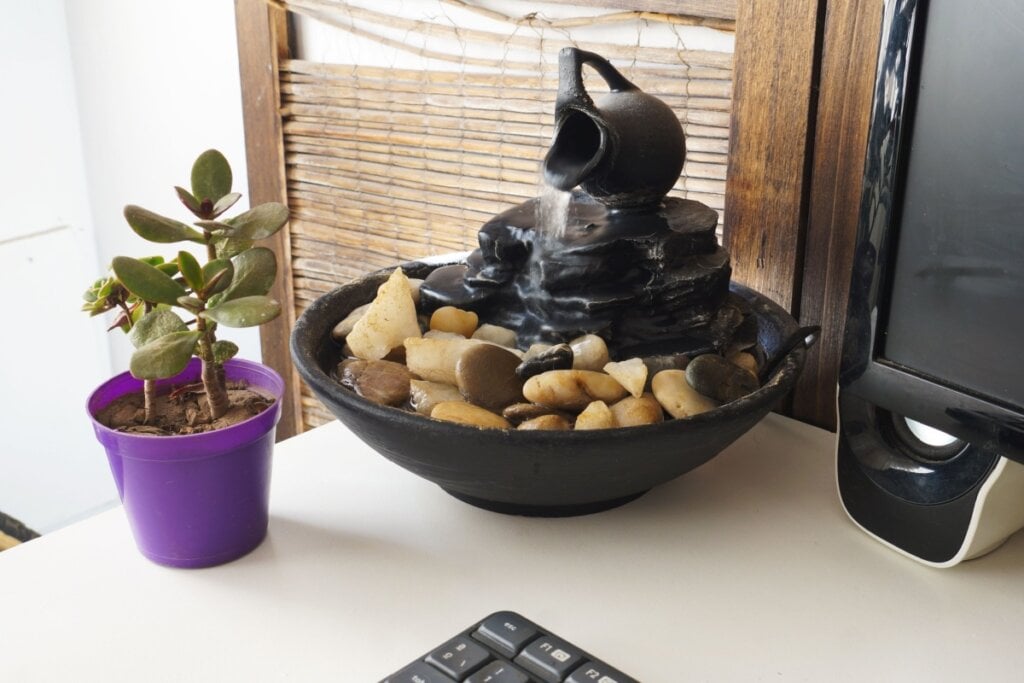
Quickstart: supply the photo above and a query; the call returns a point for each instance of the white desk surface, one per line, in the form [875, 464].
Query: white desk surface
[745, 569]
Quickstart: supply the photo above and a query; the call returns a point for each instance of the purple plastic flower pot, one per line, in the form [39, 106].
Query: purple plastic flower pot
[196, 500]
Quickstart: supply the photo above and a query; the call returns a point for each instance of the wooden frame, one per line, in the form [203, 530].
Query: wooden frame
[801, 95]
[262, 41]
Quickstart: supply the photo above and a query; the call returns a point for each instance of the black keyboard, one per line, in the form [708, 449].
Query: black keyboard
[508, 648]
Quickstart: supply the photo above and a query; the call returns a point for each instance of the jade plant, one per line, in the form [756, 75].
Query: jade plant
[229, 289]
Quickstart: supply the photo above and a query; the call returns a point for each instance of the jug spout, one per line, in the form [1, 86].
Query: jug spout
[625, 150]
[581, 136]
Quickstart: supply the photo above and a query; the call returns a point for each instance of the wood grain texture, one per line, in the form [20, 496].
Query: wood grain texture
[719, 9]
[769, 148]
[262, 43]
[849, 58]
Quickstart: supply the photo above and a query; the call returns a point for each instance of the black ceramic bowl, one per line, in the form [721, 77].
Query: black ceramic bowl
[546, 473]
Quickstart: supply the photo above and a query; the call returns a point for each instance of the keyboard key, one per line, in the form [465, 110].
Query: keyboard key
[506, 632]
[549, 658]
[419, 672]
[598, 672]
[459, 657]
[499, 671]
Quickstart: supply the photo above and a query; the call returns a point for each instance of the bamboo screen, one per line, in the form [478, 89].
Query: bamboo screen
[386, 163]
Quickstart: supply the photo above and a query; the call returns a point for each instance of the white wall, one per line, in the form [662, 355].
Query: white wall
[157, 83]
[107, 102]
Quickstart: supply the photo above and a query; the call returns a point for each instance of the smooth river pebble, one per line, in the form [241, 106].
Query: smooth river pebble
[676, 395]
[486, 376]
[632, 411]
[558, 357]
[468, 414]
[424, 395]
[716, 377]
[572, 390]
[380, 381]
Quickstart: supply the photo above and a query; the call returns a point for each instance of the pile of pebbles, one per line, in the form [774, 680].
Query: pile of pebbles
[450, 367]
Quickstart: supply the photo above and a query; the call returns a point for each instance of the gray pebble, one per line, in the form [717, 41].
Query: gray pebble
[558, 357]
[486, 376]
[716, 377]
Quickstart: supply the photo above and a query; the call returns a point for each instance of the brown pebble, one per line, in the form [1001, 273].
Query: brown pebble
[486, 376]
[380, 381]
[520, 412]
[548, 423]
[716, 377]
[468, 414]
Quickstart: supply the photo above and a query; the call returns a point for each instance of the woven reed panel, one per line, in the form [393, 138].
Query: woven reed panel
[386, 165]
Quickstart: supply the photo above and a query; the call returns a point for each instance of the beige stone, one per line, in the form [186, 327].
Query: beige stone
[390, 320]
[633, 411]
[676, 395]
[502, 336]
[549, 422]
[344, 328]
[468, 414]
[632, 374]
[597, 415]
[414, 289]
[424, 395]
[435, 359]
[589, 352]
[451, 319]
[572, 390]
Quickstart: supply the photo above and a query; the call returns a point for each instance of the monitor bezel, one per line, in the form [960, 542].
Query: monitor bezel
[864, 371]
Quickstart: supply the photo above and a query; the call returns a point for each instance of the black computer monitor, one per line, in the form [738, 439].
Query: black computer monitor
[931, 386]
[938, 290]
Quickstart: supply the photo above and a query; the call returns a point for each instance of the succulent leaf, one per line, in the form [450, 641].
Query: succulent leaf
[165, 356]
[147, 282]
[255, 270]
[247, 311]
[224, 350]
[229, 247]
[225, 203]
[156, 228]
[155, 324]
[190, 303]
[260, 221]
[211, 177]
[216, 227]
[190, 270]
[217, 275]
[190, 202]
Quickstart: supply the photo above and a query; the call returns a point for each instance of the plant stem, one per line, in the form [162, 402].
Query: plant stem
[148, 385]
[149, 400]
[214, 381]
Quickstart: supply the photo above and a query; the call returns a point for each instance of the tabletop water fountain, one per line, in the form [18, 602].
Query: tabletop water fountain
[618, 259]
[603, 251]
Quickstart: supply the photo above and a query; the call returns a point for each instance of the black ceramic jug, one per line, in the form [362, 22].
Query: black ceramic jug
[627, 150]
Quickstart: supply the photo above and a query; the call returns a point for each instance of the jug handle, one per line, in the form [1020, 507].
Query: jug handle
[570, 77]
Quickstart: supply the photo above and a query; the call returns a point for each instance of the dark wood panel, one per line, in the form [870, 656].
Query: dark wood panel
[262, 41]
[844, 105]
[769, 150]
